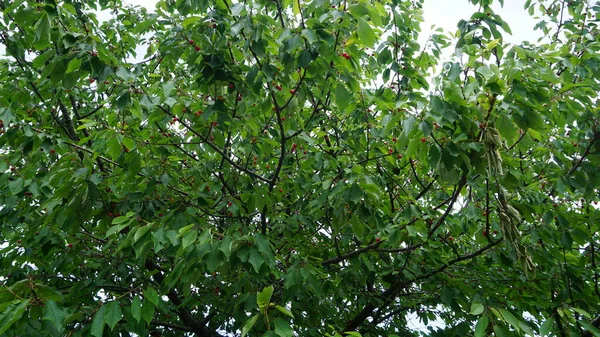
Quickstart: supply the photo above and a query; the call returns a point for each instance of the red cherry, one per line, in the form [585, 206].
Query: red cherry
[450, 238]
[293, 91]
[229, 204]
[399, 156]
[52, 151]
[394, 139]
[390, 150]
[198, 113]
[345, 55]
[231, 86]
[92, 80]
[70, 245]
[197, 48]
[110, 215]
[278, 87]
[191, 41]
[215, 123]
[485, 233]
[377, 239]
[423, 140]
[12, 168]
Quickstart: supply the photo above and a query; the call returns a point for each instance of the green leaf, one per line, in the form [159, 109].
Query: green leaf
[365, 32]
[140, 232]
[481, 326]
[189, 238]
[546, 327]
[39, 62]
[342, 96]
[136, 308]
[151, 295]
[283, 328]
[42, 32]
[113, 314]
[98, 322]
[12, 313]
[408, 125]
[148, 309]
[115, 229]
[476, 309]
[353, 333]
[256, 260]
[190, 20]
[591, 328]
[74, 64]
[510, 319]
[284, 310]
[16, 186]
[249, 324]
[355, 194]
[119, 219]
[263, 298]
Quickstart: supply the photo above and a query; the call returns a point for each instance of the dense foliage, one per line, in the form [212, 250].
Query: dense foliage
[297, 168]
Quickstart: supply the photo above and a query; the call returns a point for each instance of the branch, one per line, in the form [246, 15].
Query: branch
[216, 148]
[351, 254]
[195, 326]
[391, 293]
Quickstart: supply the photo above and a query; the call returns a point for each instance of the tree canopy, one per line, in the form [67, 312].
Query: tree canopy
[297, 168]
